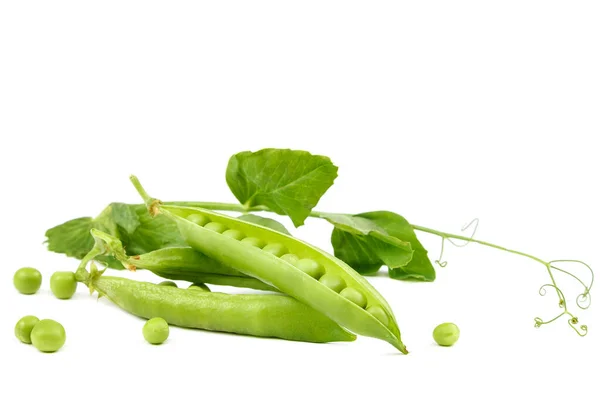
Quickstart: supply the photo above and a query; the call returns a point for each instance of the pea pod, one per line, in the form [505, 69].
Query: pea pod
[358, 307]
[266, 315]
[177, 263]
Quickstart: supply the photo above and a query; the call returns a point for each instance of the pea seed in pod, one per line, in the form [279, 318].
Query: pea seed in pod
[24, 327]
[48, 336]
[234, 234]
[333, 282]
[291, 258]
[198, 219]
[310, 267]
[379, 313]
[63, 284]
[277, 249]
[27, 280]
[199, 286]
[354, 296]
[254, 241]
[446, 334]
[215, 227]
[168, 283]
[156, 330]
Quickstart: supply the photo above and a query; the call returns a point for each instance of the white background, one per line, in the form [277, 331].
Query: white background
[439, 110]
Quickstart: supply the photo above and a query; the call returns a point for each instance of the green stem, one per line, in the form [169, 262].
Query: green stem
[321, 214]
[138, 186]
[446, 235]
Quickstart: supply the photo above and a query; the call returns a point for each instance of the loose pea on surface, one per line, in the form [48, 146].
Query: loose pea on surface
[199, 286]
[354, 296]
[254, 241]
[311, 267]
[234, 234]
[24, 327]
[48, 336]
[277, 249]
[27, 280]
[446, 334]
[333, 282]
[215, 227]
[198, 219]
[156, 330]
[168, 283]
[63, 284]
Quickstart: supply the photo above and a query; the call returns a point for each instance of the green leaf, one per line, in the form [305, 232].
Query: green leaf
[369, 240]
[71, 238]
[288, 182]
[151, 234]
[125, 217]
[268, 222]
[132, 224]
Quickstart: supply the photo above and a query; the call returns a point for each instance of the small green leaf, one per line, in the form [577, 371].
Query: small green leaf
[420, 267]
[71, 238]
[153, 233]
[289, 182]
[268, 222]
[369, 240]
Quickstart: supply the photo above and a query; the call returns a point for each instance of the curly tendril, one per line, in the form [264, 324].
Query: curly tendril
[583, 300]
[475, 222]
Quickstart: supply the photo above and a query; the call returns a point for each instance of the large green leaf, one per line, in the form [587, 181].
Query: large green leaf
[369, 240]
[288, 182]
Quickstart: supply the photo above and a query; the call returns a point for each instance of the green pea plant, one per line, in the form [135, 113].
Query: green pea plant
[290, 183]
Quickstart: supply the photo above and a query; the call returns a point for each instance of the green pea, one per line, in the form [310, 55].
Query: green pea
[199, 286]
[379, 313]
[234, 234]
[354, 296]
[311, 267]
[277, 249]
[446, 334]
[254, 241]
[333, 282]
[27, 280]
[291, 258]
[63, 285]
[198, 219]
[156, 330]
[24, 327]
[168, 283]
[215, 227]
[48, 336]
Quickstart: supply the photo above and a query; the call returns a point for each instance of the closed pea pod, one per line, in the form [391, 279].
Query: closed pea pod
[348, 311]
[267, 315]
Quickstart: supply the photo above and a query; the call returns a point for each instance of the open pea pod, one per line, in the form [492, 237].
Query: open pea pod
[296, 268]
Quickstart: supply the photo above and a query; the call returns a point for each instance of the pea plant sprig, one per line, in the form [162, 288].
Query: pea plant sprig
[291, 183]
